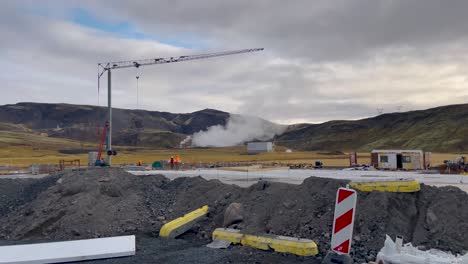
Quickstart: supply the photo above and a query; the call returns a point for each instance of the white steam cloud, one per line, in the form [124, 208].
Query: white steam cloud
[239, 129]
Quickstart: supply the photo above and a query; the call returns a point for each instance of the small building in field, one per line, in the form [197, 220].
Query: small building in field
[395, 159]
[259, 147]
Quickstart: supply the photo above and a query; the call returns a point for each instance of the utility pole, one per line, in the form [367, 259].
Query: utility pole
[109, 110]
[108, 66]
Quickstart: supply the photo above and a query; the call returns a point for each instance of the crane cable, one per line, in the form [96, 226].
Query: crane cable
[137, 77]
[98, 85]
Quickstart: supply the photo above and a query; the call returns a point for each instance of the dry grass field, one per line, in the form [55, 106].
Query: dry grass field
[23, 149]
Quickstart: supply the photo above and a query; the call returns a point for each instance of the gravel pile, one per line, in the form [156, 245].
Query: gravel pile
[86, 204]
[15, 193]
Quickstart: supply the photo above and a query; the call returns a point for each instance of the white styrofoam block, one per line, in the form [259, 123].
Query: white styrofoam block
[66, 251]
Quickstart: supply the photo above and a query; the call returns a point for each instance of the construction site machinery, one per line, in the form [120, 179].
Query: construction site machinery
[457, 166]
[109, 66]
[100, 162]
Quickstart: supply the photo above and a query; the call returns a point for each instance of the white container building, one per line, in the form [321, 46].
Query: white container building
[395, 159]
[259, 147]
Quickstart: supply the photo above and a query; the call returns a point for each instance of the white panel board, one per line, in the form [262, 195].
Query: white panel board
[392, 161]
[76, 250]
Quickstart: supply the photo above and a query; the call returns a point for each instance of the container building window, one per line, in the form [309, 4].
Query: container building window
[406, 159]
[384, 159]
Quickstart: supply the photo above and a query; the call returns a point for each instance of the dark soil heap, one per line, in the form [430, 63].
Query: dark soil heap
[91, 203]
[14, 193]
[108, 202]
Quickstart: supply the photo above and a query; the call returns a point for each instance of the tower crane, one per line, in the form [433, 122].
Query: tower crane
[109, 66]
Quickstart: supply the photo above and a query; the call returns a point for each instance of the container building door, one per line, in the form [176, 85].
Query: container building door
[399, 161]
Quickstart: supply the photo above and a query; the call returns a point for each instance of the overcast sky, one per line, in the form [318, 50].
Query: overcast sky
[323, 60]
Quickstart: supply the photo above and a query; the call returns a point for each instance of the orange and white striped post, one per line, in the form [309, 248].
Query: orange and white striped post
[343, 222]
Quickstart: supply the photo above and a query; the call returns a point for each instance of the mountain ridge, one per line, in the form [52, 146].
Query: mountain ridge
[130, 127]
[434, 129]
[438, 129]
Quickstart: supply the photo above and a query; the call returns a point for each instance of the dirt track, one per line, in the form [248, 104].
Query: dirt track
[107, 202]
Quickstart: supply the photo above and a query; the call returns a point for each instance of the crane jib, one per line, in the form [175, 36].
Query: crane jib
[138, 63]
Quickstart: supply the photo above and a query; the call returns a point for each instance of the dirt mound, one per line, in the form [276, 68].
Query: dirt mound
[91, 203]
[104, 202]
[14, 193]
[269, 207]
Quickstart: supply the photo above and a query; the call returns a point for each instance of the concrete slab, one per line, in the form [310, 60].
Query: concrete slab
[220, 244]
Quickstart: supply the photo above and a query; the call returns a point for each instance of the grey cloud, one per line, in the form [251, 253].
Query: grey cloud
[316, 30]
[323, 59]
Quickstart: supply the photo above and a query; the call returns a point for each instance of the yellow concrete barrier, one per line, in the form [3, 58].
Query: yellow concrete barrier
[228, 234]
[387, 186]
[182, 224]
[297, 246]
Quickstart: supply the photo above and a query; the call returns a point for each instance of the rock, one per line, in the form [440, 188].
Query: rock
[75, 232]
[262, 185]
[370, 257]
[161, 218]
[431, 217]
[334, 258]
[111, 190]
[289, 204]
[233, 214]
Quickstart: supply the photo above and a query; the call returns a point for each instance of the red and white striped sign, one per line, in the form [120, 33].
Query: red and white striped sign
[343, 221]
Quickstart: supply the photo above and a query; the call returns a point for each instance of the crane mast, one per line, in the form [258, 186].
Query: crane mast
[109, 66]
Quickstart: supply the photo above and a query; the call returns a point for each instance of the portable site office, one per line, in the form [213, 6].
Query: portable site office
[400, 159]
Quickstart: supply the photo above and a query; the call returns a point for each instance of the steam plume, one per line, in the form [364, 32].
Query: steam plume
[239, 129]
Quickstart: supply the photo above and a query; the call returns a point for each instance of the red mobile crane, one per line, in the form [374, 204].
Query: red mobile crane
[105, 129]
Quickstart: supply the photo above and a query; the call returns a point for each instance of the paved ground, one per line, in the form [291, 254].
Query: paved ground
[160, 250]
[245, 179]
[187, 250]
